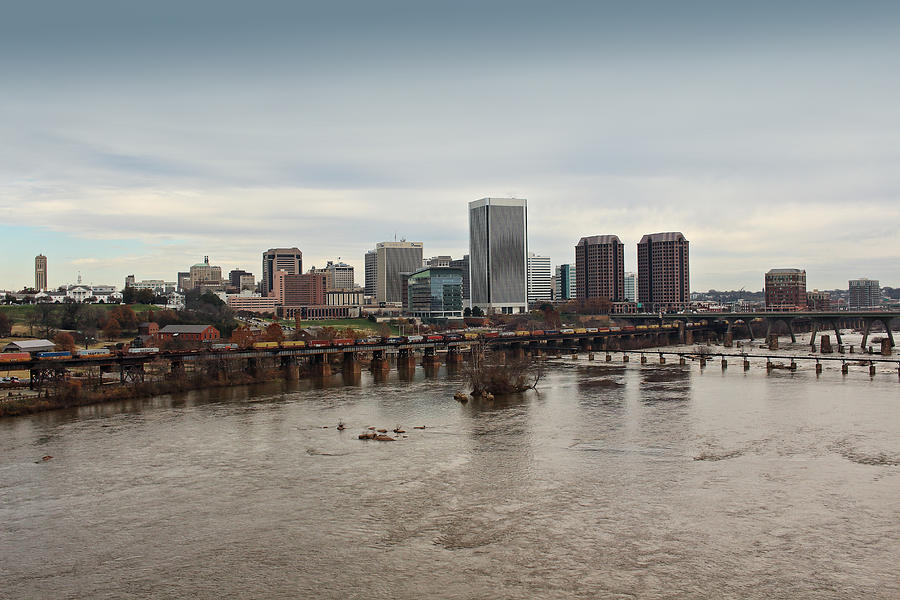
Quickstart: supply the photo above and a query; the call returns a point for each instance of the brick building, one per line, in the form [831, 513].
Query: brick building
[190, 333]
[664, 281]
[786, 289]
[600, 268]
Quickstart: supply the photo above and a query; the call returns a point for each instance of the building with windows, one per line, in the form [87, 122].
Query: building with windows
[864, 293]
[183, 281]
[299, 290]
[600, 268]
[816, 300]
[786, 289]
[498, 248]
[371, 262]
[341, 275]
[663, 272]
[189, 333]
[630, 287]
[251, 302]
[392, 259]
[289, 260]
[463, 265]
[204, 276]
[40, 273]
[234, 278]
[354, 297]
[564, 283]
[435, 293]
[539, 271]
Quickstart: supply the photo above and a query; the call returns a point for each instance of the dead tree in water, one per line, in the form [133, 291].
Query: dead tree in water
[491, 376]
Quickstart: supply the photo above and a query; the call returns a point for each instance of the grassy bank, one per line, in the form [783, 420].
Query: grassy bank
[19, 313]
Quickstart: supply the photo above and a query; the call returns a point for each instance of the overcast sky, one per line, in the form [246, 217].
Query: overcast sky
[138, 137]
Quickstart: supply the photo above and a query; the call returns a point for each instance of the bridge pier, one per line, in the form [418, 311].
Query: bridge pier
[406, 360]
[320, 367]
[454, 356]
[825, 345]
[351, 363]
[430, 359]
[380, 362]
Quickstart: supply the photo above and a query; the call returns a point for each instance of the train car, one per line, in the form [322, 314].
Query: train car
[414, 338]
[654, 326]
[369, 341]
[223, 347]
[343, 342]
[581, 330]
[453, 337]
[507, 334]
[395, 339]
[8, 357]
[627, 328]
[143, 351]
[293, 344]
[615, 328]
[490, 334]
[95, 353]
[470, 336]
[641, 327]
[567, 331]
[551, 332]
[264, 345]
[522, 333]
[435, 338]
[319, 343]
[537, 332]
[595, 329]
[52, 355]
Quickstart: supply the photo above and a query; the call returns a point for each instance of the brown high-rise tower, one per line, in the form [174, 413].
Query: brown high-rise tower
[600, 268]
[663, 272]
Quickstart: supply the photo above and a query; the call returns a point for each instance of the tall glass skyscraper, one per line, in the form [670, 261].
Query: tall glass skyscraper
[498, 248]
[392, 260]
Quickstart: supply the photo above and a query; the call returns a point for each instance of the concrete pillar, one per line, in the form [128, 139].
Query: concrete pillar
[454, 356]
[406, 360]
[793, 365]
[681, 361]
[320, 366]
[871, 369]
[844, 368]
[837, 334]
[790, 324]
[624, 358]
[841, 348]
[643, 359]
[662, 359]
[724, 363]
[291, 371]
[887, 329]
[818, 368]
[590, 356]
[688, 337]
[866, 333]
[769, 366]
[351, 363]
[608, 357]
[825, 345]
[746, 365]
[380, 362]
[814, 328]
[772, 340]
[886, 347]
[702, 362]
[728, 340]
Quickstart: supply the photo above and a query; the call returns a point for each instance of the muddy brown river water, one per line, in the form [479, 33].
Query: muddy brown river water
[611, 481]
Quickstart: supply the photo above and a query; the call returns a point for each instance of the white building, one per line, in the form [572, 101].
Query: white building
[631, 287]
[539, 278]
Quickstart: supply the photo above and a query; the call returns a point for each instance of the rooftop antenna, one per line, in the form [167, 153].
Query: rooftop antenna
[79, 277]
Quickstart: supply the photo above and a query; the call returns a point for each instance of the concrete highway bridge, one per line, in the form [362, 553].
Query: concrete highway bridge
[816, 321]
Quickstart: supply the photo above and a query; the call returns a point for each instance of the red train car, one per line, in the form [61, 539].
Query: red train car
[319, 343]
[343, 342]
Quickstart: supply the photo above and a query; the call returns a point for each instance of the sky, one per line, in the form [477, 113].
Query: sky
[140, 137]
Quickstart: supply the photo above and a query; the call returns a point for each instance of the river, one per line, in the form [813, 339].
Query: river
[610, 481]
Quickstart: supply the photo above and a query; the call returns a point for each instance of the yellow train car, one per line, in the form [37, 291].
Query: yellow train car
[581, 330]
[264, 345]
[470, 336]
[522, 333]
[641, 327]
[293, 344]
[652, 326]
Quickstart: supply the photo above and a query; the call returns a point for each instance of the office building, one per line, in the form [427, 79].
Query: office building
[204, 276]
[864, 293]
[40, 273]
[539, 272]
[435, 293]
[289, 260]
[234, 277]
[663, 272]
[564, 283]
[183, 281]
[463, 265]
[786, 289]
[371, 262]
[392, 259]
[291, 289]
[498, 247]
[631, 287]
[600, 268]
[341, 276]
[816, 300]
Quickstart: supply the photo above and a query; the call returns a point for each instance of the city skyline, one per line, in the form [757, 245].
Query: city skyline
[135, 141]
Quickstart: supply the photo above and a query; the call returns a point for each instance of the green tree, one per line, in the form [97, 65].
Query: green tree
[5, 324]
[477, 312]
